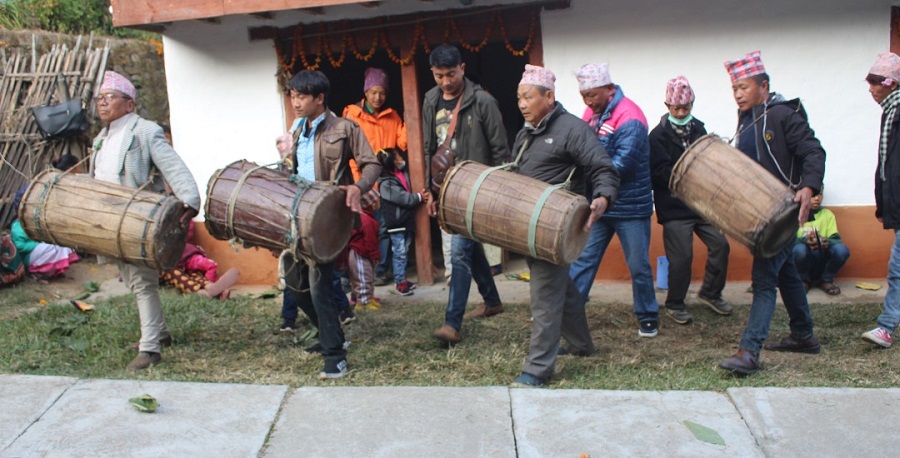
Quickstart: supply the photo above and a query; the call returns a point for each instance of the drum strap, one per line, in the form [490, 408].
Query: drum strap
[538, 207]
[121, 253]
[293, 237]
[470, 206]
[229, 221]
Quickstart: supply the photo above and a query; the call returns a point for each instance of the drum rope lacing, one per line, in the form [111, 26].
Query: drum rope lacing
[293, 238]
[538, 206]
[233, 239]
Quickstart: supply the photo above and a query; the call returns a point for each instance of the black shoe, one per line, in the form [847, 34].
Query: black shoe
[717, 305]
[649, 328]
[680, 316]
[288, 326]
[334, 370]
[795, 345]
[743, 362]
[346, 316]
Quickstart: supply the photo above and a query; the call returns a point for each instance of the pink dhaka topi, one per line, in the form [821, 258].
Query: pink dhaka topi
[679, 92]
[888, 66]
[591, 76]
[538, 76]
[116, 82]
[745, 67]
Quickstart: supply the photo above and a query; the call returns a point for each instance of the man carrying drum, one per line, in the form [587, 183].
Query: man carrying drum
[322, 146]
[125, 152]
[550, 144]
[668, 141]
[775, 132]
[479, 137]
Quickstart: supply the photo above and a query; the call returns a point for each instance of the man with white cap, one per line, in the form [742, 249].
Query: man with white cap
[668, 141]
[883, 79]
[622, 129]
[126, 152]
[775, 132]
[550, 144]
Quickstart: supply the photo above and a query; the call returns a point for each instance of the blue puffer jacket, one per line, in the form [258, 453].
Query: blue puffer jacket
[622, 129]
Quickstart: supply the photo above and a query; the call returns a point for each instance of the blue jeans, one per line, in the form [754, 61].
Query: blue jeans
[400, 244]
[469, 263]
[890, 317]
[768, 273]
[384, 245]
[634, 234]
[820, 264]
[316, 289]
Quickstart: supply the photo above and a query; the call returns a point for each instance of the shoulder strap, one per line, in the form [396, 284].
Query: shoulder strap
[452, 127]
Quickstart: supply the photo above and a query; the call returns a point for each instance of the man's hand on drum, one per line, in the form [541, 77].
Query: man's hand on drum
[598, 207]
[353, 195]
[431, 204]
[188, 215]
[804, 195]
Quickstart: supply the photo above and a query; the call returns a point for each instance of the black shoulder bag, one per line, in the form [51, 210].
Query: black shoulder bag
[63, 119]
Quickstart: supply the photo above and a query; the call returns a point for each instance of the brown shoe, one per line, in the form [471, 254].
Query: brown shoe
[483, 311]
[447, 334]
[144, 360]
[743, 362]
[795, 345]
[164, 342]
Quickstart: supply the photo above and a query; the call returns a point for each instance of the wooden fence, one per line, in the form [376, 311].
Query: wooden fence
[27, 80]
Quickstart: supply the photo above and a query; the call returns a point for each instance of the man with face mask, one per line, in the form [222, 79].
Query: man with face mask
[775, 132]
[668, 141]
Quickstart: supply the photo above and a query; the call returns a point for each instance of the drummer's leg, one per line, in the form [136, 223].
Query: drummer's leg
[718, 251]
[678, 241]
[635, 237]
[484, 280]
[144, 283]
[584, 270]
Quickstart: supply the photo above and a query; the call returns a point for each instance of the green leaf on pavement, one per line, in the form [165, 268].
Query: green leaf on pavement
[705, 434]
[144, 403]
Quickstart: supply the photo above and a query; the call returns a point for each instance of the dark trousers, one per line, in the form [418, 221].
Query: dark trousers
[558, 311]
[678, 238]
[313, 289]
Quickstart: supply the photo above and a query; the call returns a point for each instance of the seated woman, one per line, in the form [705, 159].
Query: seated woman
[195, 273]
[819, 252]
[42, 260]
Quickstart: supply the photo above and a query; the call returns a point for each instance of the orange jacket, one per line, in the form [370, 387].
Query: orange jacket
[384, 129]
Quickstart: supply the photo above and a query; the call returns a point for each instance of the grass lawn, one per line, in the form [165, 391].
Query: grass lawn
[237, 341]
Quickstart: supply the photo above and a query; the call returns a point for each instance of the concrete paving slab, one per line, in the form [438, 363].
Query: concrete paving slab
[567, 423]
[394, 422]
[815, 422]
[94, 418]
[23, 399]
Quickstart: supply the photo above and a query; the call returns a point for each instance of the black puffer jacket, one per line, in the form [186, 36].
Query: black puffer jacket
[887, 191]
[397, 204]
[665, 150]
[562, 141]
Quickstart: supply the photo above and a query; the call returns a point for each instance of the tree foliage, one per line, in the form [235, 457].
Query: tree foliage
[63, 16]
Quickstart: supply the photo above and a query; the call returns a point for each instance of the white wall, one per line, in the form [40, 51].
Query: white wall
[819, 51]
[224, 100]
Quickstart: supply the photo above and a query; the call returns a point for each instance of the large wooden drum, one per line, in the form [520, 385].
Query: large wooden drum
[134, 226]
[268, 208]
[737, 195]
[515, 212]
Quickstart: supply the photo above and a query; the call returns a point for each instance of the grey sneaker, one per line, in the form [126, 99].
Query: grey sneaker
[717, 305]
[679, 316]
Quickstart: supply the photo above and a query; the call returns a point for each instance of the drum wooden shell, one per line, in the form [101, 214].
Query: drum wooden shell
[503, 208]
[737, 195]
[262, 212]
[76, 211]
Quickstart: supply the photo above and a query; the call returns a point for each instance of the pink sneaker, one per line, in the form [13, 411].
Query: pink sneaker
[879, 336]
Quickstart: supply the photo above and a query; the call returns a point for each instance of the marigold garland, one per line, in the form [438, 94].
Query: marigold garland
[380, 37]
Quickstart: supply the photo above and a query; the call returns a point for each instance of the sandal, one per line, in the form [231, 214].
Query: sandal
[830, 288]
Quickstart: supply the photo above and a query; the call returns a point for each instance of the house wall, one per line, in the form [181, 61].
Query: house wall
[225, 104]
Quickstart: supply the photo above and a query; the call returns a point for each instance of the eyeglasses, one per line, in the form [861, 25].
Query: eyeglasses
[109, 97]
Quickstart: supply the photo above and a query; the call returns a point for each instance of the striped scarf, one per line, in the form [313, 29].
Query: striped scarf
[889, 104]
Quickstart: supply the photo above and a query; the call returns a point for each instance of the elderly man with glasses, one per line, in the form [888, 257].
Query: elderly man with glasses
[125, 152]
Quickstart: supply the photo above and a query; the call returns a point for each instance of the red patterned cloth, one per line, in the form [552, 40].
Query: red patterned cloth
[679, 92]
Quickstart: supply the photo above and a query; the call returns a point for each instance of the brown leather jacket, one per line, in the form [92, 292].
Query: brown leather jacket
[337, 141]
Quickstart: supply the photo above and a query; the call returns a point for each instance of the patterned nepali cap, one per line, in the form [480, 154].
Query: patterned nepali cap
[117, 82]
[593, 75]
[375, 77]
[679, 92]
[888, 66]
[538, 76]
[745, 67]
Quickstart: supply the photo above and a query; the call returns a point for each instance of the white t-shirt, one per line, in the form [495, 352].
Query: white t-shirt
[107, 159]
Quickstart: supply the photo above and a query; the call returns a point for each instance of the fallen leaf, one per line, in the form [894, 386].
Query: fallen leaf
[144, 403]
[705, 434]
[43, 301]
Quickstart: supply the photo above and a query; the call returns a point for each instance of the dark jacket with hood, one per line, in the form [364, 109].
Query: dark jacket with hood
[887, 191]
[479, 135]
[666, 147]
[561, 141]
[783, 142]
[397, 204]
